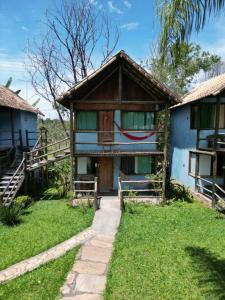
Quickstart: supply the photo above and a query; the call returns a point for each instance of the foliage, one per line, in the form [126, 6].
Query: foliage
[179, 72]
[168, 253]
[24, 201]
[44, 225]
[180, 18]
[131, 202]
[177, 192]
[51, 193]
[11, 215]
[43, 283]
[55, 131]
[59, 179]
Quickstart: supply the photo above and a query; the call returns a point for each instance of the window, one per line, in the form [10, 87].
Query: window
[204, 164]
[203, 116]
[137, 165]
[222, 116]
[86, 165]
[86, 120]
[137, 120]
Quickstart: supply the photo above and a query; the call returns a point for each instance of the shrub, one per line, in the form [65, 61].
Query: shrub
[51, 193]
[177, 192]
[10, 215]
[130, 203]
[23, 201]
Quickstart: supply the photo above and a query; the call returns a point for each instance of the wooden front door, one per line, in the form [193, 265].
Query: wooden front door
[106, 126]
[105, 174]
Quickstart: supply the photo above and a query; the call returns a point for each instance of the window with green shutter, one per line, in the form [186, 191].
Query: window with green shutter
[203, 116]
[143, 165]
[86, 120]
[137, 120]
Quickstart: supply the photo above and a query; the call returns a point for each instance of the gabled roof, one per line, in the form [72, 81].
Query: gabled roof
[10, 99]
[139, 71]
[208, 88]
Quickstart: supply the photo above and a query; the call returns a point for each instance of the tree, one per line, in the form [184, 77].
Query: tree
[179, 18]
[75, 33]
[178, 74]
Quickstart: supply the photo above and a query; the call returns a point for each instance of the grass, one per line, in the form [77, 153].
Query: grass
[42, 284]
[45, 224]
[172, 252]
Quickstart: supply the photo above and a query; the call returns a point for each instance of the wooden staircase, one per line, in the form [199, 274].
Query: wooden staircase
[38, 157]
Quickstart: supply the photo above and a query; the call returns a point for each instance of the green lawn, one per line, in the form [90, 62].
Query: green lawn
[41, 284]
[168, 253]
[45, 224]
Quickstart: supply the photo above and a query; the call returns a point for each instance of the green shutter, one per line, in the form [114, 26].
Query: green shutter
[144, 165]
[137, 120]
[87, 120]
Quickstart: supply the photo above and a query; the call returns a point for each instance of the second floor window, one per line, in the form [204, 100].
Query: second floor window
[86, 120]
[203, 116]
[137, 120]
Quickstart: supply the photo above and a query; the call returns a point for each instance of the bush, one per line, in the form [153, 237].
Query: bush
[131, 202]
[51, 193]
[10, 215]
[177, 192]
[23, 201]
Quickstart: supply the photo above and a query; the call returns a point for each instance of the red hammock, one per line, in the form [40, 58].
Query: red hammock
[133, 137]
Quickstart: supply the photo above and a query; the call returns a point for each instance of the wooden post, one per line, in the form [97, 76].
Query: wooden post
[20, 138]
[71, 147]
[120, 195]
[120, 85]
[165, 153]
[197, 159]
[27, 138]
[215, 146]
[25, 173]
[96, 205]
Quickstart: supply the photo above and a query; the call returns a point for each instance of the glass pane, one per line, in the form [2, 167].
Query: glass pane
[86, 120]
[127, 165]
[207, 115]
[144, 165]
[194, 116]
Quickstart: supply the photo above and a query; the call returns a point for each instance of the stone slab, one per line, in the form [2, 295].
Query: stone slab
[96, 254]
[86, 283]
[84, 297]
[88, 267]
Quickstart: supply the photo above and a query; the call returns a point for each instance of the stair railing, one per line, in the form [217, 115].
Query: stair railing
[12, 188]
[208, 190]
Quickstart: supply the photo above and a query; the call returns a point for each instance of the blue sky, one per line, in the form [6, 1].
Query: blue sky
[20, 20]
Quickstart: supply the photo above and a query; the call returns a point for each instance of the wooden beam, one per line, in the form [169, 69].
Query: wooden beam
[165, 153]
[215, 145]
[71, 146]
[120, 84]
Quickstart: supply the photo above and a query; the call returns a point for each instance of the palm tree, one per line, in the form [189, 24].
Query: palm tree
[179, 18]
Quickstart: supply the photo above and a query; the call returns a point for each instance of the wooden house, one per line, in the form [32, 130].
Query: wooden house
[18, 125]
[198, 139]
[113, 124]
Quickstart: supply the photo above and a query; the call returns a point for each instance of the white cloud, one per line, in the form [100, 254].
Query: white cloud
[127, 3]
[24, 28]
[113, 8]
[130, 26]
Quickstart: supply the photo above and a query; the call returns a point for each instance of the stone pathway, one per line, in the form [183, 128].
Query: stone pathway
[87, 279]
[34, 262]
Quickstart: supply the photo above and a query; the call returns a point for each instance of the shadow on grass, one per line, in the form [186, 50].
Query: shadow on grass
[211, 271]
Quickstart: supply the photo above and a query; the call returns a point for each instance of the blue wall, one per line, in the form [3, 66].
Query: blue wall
[118, 137]
[22, 120]
[183, 140]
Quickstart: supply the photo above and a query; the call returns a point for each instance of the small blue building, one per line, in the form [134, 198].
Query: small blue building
[197, 138]
[18, 124]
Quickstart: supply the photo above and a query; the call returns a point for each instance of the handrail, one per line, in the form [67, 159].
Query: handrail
[14, 175]
[117, 131]
[215, 185]
[49, 145]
